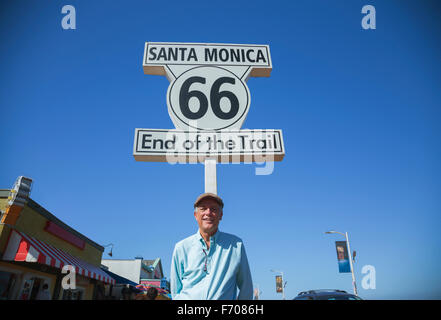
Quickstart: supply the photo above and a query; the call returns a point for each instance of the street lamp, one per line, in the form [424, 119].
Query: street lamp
[111, 244]
[283, 284]
[354, 284]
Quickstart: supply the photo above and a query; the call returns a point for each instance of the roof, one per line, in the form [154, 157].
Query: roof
[154, 263]
[119, 279]
[144, 264]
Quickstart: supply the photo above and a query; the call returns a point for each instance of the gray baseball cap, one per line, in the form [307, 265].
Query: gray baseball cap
[213, 196]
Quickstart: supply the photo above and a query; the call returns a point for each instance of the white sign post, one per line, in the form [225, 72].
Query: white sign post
[208, 101]
[210, 176]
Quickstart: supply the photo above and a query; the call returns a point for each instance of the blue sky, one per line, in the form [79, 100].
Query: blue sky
[359, 110]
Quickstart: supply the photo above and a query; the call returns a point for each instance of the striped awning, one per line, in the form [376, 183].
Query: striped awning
[22, 247]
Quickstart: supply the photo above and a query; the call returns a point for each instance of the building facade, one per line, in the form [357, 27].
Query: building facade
[148, 272]
[38, 249]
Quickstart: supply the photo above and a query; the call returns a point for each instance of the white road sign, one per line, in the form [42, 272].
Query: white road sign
[207, 100]
[208, 88]
[191, 146]
[159, 56]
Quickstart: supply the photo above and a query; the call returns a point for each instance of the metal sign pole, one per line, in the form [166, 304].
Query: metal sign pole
[210, 176]
[354, 284]
[283, 286]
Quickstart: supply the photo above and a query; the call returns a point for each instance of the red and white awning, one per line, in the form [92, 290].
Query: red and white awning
[22, 247]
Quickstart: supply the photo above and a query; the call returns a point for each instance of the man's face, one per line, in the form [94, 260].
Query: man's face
[208, 214]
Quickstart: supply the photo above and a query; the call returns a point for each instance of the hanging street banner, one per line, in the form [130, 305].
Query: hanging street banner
[342, 257]
[208, 101]
[279, 284]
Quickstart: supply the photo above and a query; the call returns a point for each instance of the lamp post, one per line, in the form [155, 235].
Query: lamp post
[283, 284]
[354, 284]
[110, 244]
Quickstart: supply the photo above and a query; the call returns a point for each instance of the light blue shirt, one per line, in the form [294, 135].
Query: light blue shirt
[226, 266]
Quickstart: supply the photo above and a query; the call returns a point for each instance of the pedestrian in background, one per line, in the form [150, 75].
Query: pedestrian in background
[152, 293]
[126, 292]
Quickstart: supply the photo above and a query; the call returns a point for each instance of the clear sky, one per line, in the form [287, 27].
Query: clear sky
[359, 109]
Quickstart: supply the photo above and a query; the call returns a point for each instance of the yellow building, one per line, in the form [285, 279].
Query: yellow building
[36, 248]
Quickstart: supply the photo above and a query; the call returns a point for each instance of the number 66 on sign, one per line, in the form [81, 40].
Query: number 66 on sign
[208, 88]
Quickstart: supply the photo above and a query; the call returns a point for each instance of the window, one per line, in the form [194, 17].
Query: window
[7, 282]
[338, 297]
[38, 285]
[73, 294]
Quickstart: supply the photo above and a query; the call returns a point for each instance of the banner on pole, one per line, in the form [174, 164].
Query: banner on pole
[279, 284]
[342, 257]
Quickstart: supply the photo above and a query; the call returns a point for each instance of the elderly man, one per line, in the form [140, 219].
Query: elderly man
[210, 265]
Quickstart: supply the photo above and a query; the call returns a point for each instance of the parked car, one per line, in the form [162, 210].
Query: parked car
[326, 294]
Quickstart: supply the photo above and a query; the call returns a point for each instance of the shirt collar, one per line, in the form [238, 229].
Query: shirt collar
[213, 238]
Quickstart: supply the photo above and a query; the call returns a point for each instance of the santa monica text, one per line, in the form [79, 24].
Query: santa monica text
[161, 53]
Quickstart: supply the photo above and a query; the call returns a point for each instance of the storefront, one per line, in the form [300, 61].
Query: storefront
[138, 270]
[41, 257]
[116, 292]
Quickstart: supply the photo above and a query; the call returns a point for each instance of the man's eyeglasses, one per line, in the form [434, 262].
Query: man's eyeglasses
[212, 209]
